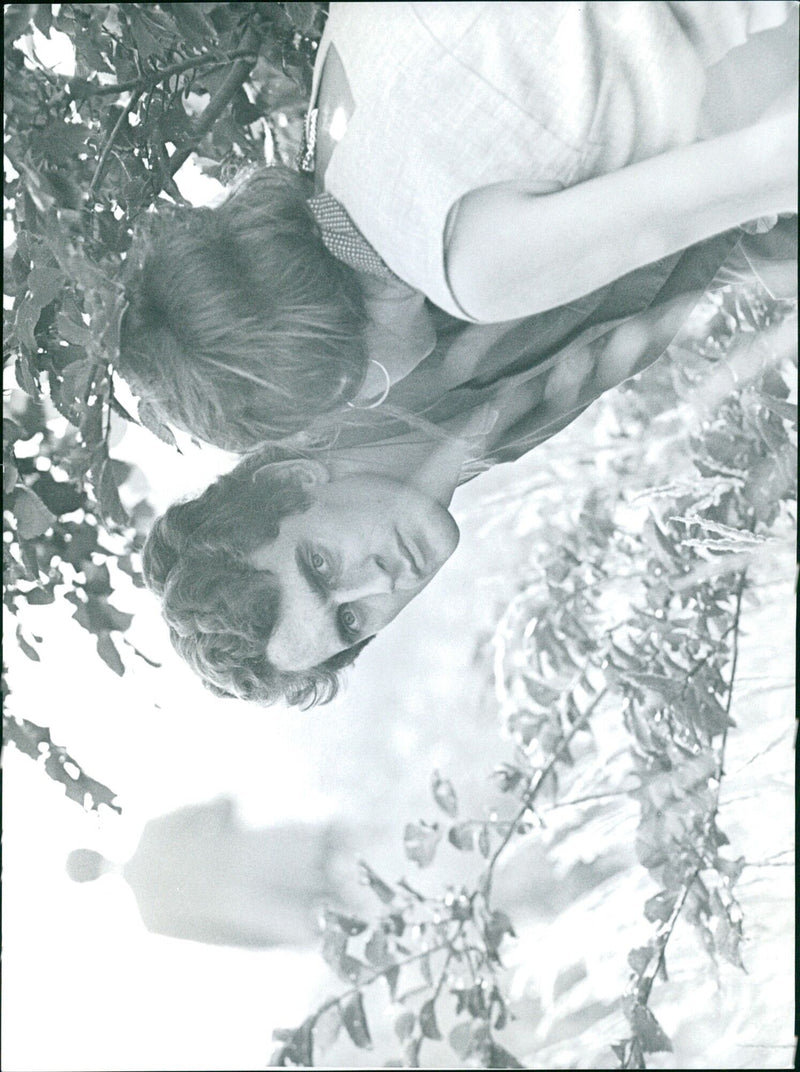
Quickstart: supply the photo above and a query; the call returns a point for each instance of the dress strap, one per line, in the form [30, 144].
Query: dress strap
[344, 240]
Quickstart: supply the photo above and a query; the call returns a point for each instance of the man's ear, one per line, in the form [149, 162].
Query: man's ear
[309, 472]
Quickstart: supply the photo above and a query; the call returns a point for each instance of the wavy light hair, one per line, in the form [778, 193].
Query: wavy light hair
[221, 610]
[241, 328]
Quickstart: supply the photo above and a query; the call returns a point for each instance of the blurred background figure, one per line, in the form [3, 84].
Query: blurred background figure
[200, 873]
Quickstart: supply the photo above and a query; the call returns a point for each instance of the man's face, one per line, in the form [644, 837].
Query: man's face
[349, 564]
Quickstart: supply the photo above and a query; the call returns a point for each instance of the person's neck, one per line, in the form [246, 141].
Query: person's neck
[433, 468]
[432, 465]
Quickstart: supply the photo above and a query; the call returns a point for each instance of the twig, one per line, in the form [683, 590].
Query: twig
[647, 978]
[535, 783]
[144, 84]
[101, 163]
[379, 974]
[216, 106]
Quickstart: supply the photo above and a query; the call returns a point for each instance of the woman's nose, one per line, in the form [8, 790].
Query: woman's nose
[371, 577]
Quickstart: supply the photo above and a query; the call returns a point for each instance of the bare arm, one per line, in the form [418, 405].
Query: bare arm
[512, 253]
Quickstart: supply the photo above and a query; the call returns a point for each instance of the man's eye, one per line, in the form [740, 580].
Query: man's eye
[349, 619]
[319, 563]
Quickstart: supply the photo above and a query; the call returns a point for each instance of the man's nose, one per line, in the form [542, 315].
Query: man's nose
[371, 577]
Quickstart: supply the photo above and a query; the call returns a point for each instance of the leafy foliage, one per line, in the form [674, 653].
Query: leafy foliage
[88, 154]
[639, 622]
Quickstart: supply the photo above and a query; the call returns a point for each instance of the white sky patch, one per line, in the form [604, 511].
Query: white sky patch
[54, 52]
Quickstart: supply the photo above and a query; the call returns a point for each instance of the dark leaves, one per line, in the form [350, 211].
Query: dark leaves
[355, 1021]
[33, 517]
[349, 925]
[297, 1048]
[25, 647]
[658, 909]
[35, 741]
[462, 836]
[108, 495]
[497, 926]
[377, 950]
[647, 1029]
[148, 415]
[427, 1021]
[59, 496]
[107, 651]
[496, 1056]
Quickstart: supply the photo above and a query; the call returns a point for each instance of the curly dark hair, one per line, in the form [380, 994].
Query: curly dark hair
[221, 610]
[241, 328]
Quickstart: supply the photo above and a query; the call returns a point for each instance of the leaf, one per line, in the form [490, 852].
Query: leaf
[327, 1028]
[10, 474]
[351, 969]
[26, 375]
[731, 869]
[658, 909]
[425, 969]
[444, 794]
[26, 648]
[59, 496]
[540, 692]
[462, 836]
[496, 928]
[499, 1057]
[377, 950]
[334, 947]
[392, 977]
[728, 937]
[411, 1053]
[381, 889]
[33, 517]
[27, 736]
[72, 330]
[507, 777]
[108, 495]
[301, 1045]
[76, 379]
[483, 842]
[45, 283]
[148, 415]
[460, 1038]
[420, 841]
[639, 958]
[302, 14]
[404, 1025]
[355, 1021]
[98, 616]
[107, 651]
[647, 1030]
[40, 597]
[427, 1021]
[59, 765]
[349, 925]
[11, 431]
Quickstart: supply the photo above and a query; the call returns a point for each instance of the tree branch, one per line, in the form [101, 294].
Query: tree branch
[101, 163]
[89, 89]
[216, 106]
[535, 783]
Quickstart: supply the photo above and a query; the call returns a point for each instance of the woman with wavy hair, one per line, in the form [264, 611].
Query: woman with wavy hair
[550, 165]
